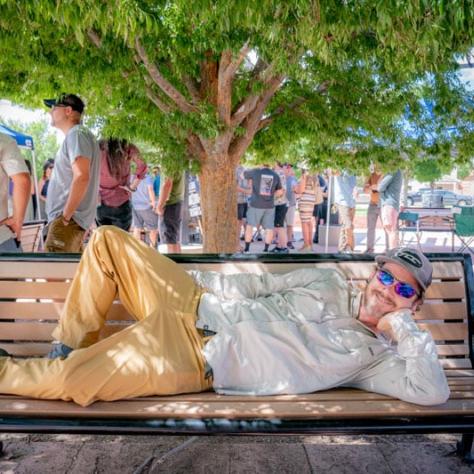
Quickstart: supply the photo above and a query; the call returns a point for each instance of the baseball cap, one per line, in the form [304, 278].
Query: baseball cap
[66, 100]
[412, 260]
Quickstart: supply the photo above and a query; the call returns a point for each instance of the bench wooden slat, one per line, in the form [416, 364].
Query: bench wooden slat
[51, 311]
[446, 290]
[454, 373]
[461, 381]
[27, 331]
[60, 270]
[43, 310]
[456, 363]
[38, 348]
[452, 349]
[22, 289]
[25, 289]
[356, 270]
[446, 332]
[245, 409]
[443, 310]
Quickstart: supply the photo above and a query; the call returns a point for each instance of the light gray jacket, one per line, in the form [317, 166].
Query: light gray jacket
[298, 333]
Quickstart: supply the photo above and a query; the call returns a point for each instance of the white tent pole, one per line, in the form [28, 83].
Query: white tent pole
[328, 212]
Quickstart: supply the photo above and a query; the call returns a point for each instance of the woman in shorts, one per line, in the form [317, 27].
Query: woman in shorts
[310, 193]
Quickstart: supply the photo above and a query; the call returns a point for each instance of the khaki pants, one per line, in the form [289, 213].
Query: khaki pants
[346, 236]
[160, 354]
[64, 238]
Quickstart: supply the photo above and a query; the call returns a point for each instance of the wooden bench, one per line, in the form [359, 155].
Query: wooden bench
[423, 219]
[32, 291]
[31, 236]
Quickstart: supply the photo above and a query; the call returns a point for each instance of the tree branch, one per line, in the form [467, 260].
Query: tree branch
[195, 147]
[233, 66]
[163, 83]
[243, 110]
[165, 108]
[241, 143]
[193, 89]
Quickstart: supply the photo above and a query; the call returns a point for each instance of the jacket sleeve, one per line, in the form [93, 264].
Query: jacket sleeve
[386, 180]
[251, 285]
[410, 371]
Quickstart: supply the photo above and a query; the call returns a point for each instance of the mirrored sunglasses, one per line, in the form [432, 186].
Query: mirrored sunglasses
[405, 290]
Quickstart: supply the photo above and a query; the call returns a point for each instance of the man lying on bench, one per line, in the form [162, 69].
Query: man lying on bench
[247, 334]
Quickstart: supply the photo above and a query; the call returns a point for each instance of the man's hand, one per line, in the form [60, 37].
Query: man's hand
[384, 325]
[160, 209]
[14, 225]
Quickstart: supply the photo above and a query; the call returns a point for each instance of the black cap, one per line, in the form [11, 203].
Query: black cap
[66, 100]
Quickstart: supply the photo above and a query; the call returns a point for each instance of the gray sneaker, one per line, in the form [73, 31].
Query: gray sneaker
[59, 350]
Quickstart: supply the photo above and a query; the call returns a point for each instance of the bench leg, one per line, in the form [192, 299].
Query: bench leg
[1, 449]
[463, 448]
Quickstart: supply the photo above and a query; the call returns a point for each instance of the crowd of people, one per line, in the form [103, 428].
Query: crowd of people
[108, 183]
[272, 198]
[88, 184]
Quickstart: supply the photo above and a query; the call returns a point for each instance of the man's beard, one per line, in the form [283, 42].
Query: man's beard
[372, 304]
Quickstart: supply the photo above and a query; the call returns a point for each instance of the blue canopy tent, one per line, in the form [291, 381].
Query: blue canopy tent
[25, 142]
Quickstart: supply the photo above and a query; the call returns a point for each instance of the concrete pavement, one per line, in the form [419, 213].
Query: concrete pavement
[80, 454]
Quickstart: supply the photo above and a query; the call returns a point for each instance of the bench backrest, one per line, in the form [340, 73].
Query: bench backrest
[33, 289]
[31, 234]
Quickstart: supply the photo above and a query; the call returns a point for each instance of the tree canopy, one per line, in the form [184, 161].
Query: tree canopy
[339, 82]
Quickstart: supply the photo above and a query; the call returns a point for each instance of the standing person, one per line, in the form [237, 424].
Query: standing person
[72, 192]
[243, 191]
[281, 208]
[156, 182]
[43, 185]
[310, 192]
[143, 210]
[169, 209]
[115, 186]
[291, 183]
[319, 208]
[261, 210]
[371, 186]
[390, 189]
[344, 187]
[12, 167]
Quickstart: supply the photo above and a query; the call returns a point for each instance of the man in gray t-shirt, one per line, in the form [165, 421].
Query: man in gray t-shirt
[390, 188]
[72, 193]
[266, 185]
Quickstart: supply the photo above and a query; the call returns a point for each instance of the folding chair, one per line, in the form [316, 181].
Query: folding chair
[410, 219]
[464, 229]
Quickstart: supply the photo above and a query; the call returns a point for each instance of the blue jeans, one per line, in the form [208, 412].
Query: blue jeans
[10, 245]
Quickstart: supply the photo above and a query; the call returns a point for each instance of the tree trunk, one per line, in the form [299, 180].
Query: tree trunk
[219, 204]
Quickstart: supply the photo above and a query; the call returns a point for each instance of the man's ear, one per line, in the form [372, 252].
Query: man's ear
[417, 304]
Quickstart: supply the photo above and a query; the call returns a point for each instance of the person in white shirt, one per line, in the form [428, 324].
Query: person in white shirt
[249, 334]
[12, 166]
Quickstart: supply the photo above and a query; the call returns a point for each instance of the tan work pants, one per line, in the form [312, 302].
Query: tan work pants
[160, 354]
[64, 238]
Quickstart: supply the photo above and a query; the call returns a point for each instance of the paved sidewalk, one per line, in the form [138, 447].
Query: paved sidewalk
[80, 454]
[430, 242]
